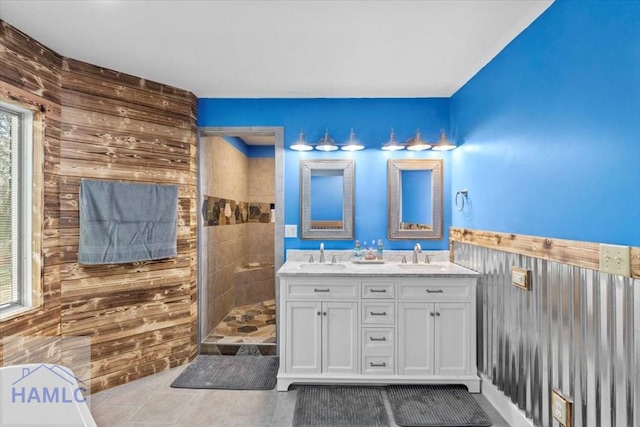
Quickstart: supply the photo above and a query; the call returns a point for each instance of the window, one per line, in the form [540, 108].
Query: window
[16, 180]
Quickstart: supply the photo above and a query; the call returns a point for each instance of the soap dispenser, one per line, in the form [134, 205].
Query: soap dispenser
[357, 252]
[379, 254]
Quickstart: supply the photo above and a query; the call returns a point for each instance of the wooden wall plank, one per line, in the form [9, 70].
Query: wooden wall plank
[122, 128]
[22, 45]
[94, 84]
[572, 252]
[102, 124]
[122, 79]
[126, 110]
[30, 76]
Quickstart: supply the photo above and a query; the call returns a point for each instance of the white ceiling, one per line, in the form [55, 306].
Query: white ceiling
[276, 49]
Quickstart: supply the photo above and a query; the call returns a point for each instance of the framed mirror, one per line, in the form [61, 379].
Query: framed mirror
[414, 199]
[326, 199]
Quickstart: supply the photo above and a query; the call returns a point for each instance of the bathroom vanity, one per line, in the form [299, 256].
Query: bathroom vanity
[386, 323]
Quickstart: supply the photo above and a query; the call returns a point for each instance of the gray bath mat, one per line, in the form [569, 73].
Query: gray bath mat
[229, 372]
[334, 406]
[435, 405]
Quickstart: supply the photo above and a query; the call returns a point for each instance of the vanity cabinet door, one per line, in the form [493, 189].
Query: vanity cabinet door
[339, 337]
[415, 338]
[452, 338]
[303, 337]
[321, 337]
[434, 338]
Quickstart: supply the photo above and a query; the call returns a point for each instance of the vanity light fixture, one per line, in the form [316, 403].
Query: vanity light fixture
[444, 144]
[353, 144]
[326, 143]
[417, 143]
[392, 144]
[301, 144]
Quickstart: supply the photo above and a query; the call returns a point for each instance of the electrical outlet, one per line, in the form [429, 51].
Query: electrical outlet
[615, 259]
[561, 408]
[291, 231]
[521, 278]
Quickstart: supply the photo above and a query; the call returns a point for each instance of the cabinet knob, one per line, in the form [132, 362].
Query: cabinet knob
[432, 314]
[324, 313]
[318, 313]
[437, 313]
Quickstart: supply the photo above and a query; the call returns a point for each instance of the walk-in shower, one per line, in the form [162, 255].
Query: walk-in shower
[240, 242]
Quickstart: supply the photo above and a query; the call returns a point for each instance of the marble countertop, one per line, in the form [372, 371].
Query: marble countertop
[393, 267]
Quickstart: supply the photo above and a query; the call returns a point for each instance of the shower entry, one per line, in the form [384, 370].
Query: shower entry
[240, 242]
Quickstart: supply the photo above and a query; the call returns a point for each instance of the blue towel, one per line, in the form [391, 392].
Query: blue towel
[125, 222]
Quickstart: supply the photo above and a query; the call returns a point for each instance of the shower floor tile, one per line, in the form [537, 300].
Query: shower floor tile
[246, 324]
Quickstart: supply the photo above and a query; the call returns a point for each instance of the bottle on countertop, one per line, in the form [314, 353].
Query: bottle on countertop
[357, 252]
[380, 254]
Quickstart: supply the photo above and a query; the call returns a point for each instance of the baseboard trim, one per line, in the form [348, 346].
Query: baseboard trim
[510, 412]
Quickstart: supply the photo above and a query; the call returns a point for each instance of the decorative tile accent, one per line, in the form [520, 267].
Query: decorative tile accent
[220, 211]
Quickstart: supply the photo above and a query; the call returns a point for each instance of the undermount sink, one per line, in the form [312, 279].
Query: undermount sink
[326, 266]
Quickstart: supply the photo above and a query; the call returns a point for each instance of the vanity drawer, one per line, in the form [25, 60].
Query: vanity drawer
[377, 341]
[321, 290]
[377, 365]
[378, 313]
[446, 290]
[378, 290]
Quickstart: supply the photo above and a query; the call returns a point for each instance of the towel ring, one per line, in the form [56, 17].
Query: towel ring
[460, 202]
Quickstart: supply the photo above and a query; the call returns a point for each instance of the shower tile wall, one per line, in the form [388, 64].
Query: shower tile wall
[227, 173]
[261, 188]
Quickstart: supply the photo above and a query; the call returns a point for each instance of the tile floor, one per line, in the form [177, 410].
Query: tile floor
[151, 401]
[247, 324]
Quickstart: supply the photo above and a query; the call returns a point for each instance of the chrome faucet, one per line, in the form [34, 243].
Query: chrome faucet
[416, 250]
[321, 253]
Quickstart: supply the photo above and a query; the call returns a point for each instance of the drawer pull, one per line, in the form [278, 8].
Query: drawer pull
[378, 339]
[437, 313]
[378, 365]
[321, 290]
[432, 314]
[439, 291]
[373, 313]
[383, 291]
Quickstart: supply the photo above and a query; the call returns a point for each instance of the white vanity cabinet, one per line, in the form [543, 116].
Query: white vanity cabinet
[321, 331]
[378, 329]
[436, 320]
[322, 337]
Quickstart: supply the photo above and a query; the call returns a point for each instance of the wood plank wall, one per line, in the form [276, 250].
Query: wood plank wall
[141, 317]
[30, 74]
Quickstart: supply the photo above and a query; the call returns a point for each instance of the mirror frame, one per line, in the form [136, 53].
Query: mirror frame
[348, 173]
[394, 189]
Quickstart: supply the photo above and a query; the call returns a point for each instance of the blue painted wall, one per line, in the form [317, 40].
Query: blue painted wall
[251, 151]
[550, 129]
[371, 120]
